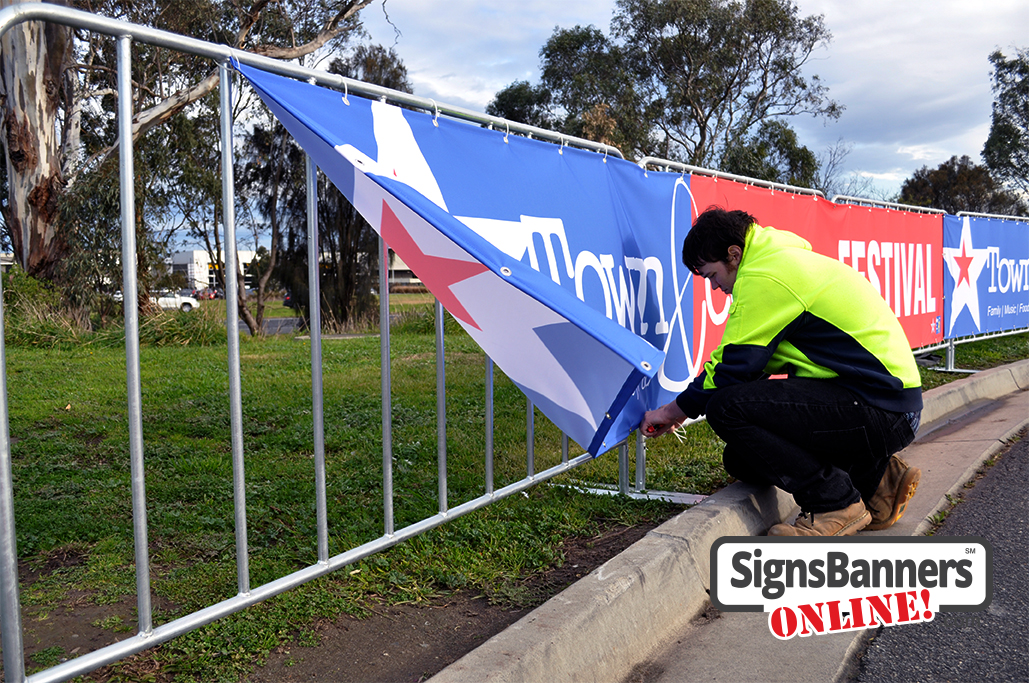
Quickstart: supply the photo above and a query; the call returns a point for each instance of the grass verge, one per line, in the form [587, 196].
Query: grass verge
[979, 355]
[73, 505]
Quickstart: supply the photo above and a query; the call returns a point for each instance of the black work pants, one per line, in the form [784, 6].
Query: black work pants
[811, 438]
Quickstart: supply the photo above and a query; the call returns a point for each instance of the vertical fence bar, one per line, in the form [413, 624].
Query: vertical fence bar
[10, 621]
[441, 409]
[232, 323]
[314, 288]
[530, 439]
[641, 463]
[564, 449]
[387, 410]
[623, 468]
[130, 302]
[489, 426]
[10, 604]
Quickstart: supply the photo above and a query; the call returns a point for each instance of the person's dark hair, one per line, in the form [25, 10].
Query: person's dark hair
[712, 234]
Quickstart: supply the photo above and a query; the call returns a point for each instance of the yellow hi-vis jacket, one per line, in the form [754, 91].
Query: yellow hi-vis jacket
[800, 313]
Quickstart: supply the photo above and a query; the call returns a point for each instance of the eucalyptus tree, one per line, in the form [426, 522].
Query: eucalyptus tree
[525, 103]
[683, 79]
[709, 72]
[272, 178]
[59, 102]
[773, 153]
[347, 244]
[959, 184]
[1006, 152]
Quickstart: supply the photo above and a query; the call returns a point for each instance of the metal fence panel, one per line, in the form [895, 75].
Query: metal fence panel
[149, 636]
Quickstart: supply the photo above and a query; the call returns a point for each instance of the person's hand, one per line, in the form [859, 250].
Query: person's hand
[665, 419]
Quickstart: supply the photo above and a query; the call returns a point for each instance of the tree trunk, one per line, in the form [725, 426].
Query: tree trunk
[32, 62]
[273, 217]
[241, 303]
[34, 57]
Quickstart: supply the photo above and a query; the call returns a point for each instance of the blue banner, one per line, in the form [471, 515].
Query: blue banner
[986, 275]
[562, 264]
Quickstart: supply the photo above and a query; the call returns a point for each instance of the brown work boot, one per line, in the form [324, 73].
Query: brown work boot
[890, 500]
[845, 522]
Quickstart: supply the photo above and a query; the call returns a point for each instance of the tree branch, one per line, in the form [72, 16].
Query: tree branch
[158, 114]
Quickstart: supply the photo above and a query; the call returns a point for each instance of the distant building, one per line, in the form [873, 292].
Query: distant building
[401, 275]
[200, 272]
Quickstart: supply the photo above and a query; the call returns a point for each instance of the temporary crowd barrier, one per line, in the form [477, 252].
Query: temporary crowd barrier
[555, 255]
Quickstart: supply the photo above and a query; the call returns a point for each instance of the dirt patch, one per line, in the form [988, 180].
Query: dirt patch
[76, 626]
[407, 644]
[396, 644]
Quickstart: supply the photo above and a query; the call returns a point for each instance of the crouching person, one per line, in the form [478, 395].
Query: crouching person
[827, 433]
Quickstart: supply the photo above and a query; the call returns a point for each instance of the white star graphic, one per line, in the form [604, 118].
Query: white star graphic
[965, 264]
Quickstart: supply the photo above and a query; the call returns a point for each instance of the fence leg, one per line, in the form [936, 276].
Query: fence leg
[489, 426]
[441, 409]
[949, 366]
[387, 406]
[623, 468]
[641, 463]
[10, 604]
[317, 386]
[530, 439]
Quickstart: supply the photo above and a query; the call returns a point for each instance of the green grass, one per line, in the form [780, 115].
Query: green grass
[401, 302]
[979, 355]
[72, 483]
[274, 308]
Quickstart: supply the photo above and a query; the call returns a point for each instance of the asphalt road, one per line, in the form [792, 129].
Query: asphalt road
[973, 646]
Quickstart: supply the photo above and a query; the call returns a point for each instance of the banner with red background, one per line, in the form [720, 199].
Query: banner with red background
[899, 252]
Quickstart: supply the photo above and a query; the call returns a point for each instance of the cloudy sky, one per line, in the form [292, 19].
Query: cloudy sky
[913, 74]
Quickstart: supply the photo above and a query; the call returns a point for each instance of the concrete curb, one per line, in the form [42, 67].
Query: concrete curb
[660, 584]
[626, 605]
[954, 398]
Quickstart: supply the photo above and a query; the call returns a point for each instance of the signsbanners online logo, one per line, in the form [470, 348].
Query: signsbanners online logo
[826, 585]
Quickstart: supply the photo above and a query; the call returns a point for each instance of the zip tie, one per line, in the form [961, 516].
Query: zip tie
[435, 117]
[346, 92]
[507, 130]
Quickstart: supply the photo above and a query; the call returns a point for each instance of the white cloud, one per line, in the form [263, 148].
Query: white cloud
[920, 152]
[894, 176]
[465, 51]
[913, 75]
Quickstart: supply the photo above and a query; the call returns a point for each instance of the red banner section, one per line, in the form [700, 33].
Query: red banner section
[899, 252]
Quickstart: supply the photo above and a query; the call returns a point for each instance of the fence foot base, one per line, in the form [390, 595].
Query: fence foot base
[666, 496]
[943, 369]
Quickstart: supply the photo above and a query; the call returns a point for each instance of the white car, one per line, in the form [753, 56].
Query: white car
[174, 300]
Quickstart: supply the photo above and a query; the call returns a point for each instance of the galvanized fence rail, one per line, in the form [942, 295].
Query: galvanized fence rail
[125, 34]
[950, 350]
[949, 346]
[148, 635]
